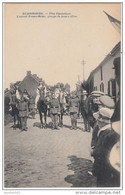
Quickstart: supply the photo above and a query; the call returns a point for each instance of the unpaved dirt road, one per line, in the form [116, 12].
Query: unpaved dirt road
[45, 158]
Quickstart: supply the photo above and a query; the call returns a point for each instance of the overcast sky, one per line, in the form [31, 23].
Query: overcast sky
[54, 47]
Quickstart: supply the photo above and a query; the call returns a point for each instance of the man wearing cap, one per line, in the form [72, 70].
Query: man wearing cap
[54, 110]
[23, 112]
[13, 104]
[73, 106]
[107, 101]
[103, 102]
[107, 137]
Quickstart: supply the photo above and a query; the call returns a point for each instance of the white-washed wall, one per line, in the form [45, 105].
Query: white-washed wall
[107, 73]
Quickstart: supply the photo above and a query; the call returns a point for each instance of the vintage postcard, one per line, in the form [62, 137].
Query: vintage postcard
[62, 67]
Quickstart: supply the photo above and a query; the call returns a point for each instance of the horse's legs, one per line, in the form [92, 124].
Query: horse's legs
[19, 122]
[61, 118]
[45, 119]
[41, 119]
[14, 127]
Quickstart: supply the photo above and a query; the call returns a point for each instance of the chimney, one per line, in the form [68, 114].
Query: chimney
[28, 73]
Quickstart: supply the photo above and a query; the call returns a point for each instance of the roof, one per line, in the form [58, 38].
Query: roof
[112, 53]
[34, 76]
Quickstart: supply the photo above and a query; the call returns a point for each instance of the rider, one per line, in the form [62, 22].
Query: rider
[41, 88]
[26, 95]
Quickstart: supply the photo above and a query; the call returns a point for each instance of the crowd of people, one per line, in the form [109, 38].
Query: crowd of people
[100, 115]
[105, 143]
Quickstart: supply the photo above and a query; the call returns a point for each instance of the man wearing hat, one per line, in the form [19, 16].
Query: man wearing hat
[92, 105]
[73, 107]
[102, 118]
[83, 110]
[107, 137]
[54, 110]
[117, 64]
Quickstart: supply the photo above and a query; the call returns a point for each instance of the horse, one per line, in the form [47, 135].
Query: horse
[42, 108]
[62, 102]
[14, 103]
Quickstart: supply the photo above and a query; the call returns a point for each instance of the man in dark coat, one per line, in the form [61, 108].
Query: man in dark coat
[106, 175]
[116, 115]
[83, 110]
[13, 105]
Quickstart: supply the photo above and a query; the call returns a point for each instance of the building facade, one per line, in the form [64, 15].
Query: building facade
[102, 78]
[30, 83]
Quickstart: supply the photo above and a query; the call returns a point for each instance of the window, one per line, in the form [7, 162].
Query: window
[102, 87]
[95, 88]
[101, 73]
[112, 87]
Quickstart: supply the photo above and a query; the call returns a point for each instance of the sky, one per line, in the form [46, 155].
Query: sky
[53, 46]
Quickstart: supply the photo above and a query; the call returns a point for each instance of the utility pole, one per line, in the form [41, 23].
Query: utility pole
[83, 63]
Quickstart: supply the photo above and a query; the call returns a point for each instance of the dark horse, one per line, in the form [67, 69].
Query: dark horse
[15, 111]
[42, 108]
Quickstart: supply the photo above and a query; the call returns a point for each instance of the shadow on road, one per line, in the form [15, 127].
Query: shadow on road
[80, 178]
[38, 124]
[69, 127]
[49, 126]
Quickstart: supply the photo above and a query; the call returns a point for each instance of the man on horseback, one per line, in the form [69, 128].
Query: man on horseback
[41, 103]
[60, 95]
[62, 102]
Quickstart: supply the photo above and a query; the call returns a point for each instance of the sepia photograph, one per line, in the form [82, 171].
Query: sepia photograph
[62, 89]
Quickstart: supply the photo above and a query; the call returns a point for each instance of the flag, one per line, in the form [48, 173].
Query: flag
[116, 23]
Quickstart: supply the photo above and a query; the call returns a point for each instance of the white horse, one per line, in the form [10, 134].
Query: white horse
[62, 101]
